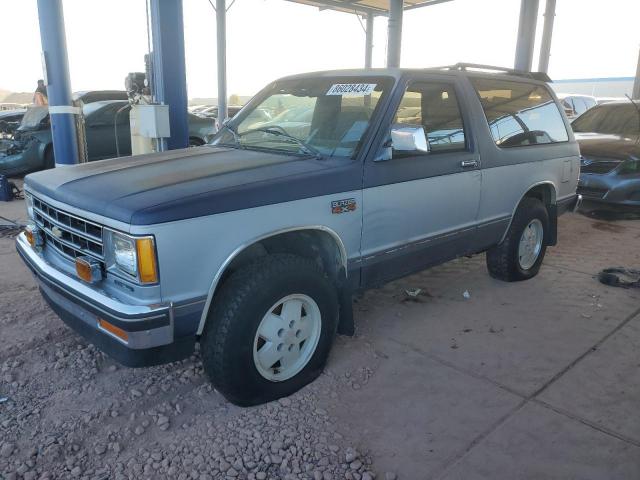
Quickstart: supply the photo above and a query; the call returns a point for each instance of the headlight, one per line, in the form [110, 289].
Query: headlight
[133, 256]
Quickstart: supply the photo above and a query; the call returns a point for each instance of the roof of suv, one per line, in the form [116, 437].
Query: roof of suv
[464, 70]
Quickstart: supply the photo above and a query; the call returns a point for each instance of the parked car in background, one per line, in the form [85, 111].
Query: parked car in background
[576, 105]
[10, 106]
[212, 112]
[601, 100]
[90, 96]
[107, 131]
[254, 245]
[609, 139]
[10, 120]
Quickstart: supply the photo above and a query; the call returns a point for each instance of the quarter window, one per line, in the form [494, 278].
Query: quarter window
[434, 107]
[520, 114]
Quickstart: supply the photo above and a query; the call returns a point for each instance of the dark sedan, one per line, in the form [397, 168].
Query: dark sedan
[609, 138]
[31, 148]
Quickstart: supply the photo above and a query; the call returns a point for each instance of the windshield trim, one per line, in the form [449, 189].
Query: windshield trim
[253, 148]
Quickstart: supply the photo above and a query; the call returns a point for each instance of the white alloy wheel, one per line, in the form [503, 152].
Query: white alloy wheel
[530, 244]
[287, 337]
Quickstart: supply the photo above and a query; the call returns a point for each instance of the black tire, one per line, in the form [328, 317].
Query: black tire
[245, 297]
[502, 260]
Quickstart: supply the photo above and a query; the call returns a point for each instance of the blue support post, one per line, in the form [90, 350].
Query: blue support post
[169, 72]
[56, 72]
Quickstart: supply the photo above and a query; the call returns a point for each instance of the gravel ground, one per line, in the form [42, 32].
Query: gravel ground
[72, 413]
[68, 411]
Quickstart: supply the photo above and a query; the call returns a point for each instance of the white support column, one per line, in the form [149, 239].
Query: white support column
[221, 27]
[526, 35]
[368, 47]
[394, 35]
[547, 33]
[636, 84]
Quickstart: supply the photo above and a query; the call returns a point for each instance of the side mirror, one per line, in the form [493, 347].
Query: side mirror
[409, 139]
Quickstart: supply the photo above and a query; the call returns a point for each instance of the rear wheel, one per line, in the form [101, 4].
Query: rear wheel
[520, 255]
[270, 329]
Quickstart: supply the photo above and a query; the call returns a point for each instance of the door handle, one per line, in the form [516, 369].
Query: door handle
[469, 163]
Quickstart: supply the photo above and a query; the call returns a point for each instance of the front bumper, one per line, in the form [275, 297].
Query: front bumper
[610, 189]
[150, 328]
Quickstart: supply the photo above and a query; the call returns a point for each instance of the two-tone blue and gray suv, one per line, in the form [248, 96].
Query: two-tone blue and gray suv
[253, 245]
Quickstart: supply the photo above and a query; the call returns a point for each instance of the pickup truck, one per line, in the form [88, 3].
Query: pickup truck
[253, 245]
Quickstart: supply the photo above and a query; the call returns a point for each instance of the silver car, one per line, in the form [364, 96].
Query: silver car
[253, 245]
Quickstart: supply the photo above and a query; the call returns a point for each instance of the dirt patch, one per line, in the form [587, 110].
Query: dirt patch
[608, 227]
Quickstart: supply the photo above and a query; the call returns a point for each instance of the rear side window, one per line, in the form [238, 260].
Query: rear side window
[520, 114]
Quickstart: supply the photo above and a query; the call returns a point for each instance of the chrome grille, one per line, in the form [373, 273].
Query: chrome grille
[70, 235]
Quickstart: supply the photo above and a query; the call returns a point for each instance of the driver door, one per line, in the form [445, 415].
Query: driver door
[420, 208]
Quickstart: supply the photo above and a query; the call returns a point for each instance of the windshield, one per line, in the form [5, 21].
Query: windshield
[612, 119]
[328, 116]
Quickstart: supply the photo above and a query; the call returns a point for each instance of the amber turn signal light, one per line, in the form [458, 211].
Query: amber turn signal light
[147, 267]
[29, 234]
[117, 331]
[34, 236]
[88, 269]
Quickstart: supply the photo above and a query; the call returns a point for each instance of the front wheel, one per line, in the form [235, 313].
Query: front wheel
[270, 329]
[520, 255]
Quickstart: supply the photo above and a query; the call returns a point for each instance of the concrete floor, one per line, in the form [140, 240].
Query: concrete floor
[530, 380]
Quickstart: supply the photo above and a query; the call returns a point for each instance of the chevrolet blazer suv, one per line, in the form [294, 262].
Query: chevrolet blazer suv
[252, 246]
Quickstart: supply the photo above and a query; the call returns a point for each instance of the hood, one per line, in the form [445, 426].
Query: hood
[614, 147]
[34, 118]
[193, 182]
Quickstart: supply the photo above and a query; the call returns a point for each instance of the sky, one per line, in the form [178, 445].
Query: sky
[267, 39]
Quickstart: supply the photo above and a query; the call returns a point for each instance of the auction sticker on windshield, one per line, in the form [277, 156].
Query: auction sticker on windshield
[352, 89]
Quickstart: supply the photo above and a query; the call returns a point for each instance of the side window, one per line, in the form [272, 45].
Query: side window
[520, 114]
[434, 107]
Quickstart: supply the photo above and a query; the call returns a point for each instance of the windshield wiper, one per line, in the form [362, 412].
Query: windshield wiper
[280, 132]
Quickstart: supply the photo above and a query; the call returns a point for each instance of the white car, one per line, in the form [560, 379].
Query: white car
[575, 105]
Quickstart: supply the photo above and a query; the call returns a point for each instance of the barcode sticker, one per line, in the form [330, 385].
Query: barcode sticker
[352, 89]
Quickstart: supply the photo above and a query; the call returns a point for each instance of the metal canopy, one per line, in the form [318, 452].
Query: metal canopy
[370, 8]
[363, 7]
